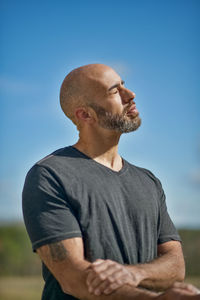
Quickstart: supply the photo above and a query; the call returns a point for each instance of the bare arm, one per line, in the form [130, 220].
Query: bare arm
[65, 260]
[162, 272]
[105, 275]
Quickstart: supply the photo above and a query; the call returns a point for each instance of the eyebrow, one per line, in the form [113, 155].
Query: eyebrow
[116, 85]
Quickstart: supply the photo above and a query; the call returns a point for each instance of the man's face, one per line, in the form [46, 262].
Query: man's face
[113, 103]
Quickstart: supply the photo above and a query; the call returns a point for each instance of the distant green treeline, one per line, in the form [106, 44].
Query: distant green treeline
[17, 258]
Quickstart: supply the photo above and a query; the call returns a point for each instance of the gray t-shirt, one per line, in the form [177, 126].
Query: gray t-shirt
[121, 216]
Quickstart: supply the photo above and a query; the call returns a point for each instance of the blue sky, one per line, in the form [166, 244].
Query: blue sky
[154, 46]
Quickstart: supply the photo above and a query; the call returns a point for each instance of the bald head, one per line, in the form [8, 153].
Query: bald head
[80, 87]
[95, 95]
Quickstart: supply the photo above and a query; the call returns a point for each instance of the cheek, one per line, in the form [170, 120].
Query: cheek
[115, 104]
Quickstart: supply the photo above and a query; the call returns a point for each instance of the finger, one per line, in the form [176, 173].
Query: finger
[95, 279]
[122, 275]
[176, 293]
[99, 284]
[96, 283]
[108, 289]
[112, 283]
[95, 269]
[114, 286]
[98, 261]
[121, 279]
[101, 288]
[101, 272]
[110, 270]
[101, 265]
[96, 272]
[186, 287]
[115, 273]
[90, 277]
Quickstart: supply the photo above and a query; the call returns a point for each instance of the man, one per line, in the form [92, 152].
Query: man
[99, 224]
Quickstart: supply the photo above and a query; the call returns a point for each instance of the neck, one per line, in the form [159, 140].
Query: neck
[102, 147]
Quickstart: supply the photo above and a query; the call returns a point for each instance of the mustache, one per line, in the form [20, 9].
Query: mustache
[126, 109]
[102, 111]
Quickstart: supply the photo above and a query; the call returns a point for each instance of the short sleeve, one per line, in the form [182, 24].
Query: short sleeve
[167, 231]
[47, 214]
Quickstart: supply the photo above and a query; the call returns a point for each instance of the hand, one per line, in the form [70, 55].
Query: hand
[181, 291]
[105, 276]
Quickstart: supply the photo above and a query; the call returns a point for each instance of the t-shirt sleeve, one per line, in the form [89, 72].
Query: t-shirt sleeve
[47, 213]
[166, 231]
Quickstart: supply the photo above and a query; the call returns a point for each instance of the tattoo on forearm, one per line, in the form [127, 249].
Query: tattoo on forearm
[58, 252]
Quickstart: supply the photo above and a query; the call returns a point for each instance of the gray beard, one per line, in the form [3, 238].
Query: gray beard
[119, 123]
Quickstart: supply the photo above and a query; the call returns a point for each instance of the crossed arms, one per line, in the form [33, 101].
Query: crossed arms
[105, 279]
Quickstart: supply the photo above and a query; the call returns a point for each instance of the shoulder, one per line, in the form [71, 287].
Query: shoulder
[145, 174]
[57, 160]
[55, 157]
[140, 170]
[53, 165]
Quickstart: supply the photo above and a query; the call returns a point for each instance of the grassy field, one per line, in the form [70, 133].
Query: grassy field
[30, 288]
[21, 288]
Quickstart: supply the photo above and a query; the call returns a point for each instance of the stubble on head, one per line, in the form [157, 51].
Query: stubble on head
[79, 87]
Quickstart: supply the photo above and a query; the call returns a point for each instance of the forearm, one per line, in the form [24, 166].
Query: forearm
[72, 279]
[125, 293]
[162, 272]
[81, 292]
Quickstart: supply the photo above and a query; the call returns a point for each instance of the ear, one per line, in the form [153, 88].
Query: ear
[83, 114]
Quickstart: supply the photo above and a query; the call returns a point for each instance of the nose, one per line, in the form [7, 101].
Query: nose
[127, 95]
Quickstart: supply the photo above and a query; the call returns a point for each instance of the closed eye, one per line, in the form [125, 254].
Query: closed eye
[116, 91]
[116, 86]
